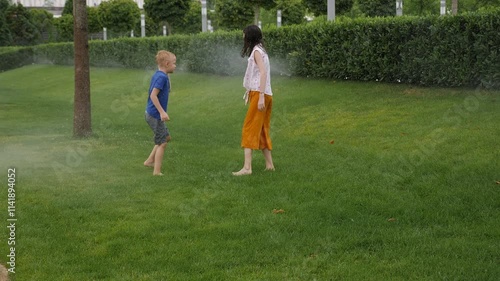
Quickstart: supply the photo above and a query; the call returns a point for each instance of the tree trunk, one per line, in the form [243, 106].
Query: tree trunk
[82, 117]
[454, 7]
[256, 13]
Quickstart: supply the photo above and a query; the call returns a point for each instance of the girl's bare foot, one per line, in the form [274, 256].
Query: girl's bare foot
[149, 164]
[242, 172]
[269, 169]
[159, 174]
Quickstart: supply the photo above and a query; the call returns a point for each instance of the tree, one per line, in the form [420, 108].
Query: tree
[257, 5]
[320, 7]
[191, 23]
[21, 28]
[377, 8]
[292, 11]
[420, 7]
[474, 5]
[93, 20]
[5, 36]
[232, 14]
[454, 7]
[153, 28]
[82, 114]
[167, 12]
[119, 16]
[4, 4]
[64, 28]
[68, 8]
[43, 22]
[488, 3]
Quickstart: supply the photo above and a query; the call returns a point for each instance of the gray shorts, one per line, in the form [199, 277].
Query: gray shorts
[159, 128]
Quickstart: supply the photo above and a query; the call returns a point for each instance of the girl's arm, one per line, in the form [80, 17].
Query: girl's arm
[263, 78]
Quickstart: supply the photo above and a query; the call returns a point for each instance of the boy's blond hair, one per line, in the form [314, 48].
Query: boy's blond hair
[162, 57]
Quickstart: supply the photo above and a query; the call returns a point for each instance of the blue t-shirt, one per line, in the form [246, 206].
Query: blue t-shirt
[161, 82]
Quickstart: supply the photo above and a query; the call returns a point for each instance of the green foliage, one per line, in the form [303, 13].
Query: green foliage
[19, 22]
[217, 53]
[64, 27]
[421, 7]
[94, 25]
[119, 16]
[120, 52]
[167, 12]
[153, 28]
[482, 33]
[320, 7]
[20, 26]
[191, 23]
[378, 8]
[445, 51]
[44, 23]
[459, 51]
[4, 4]
[266, 4]
[14, 57]
[68, 8]
[292, 12]
[232, 14]
[257, 5]
[56, 53]
[5, 34]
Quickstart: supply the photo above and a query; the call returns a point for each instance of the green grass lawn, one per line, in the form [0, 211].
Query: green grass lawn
[377, 182]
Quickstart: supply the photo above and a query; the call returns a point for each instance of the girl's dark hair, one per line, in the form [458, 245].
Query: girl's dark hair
[252, 38]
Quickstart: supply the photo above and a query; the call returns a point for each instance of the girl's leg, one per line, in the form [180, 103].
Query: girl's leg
[247, 167]
[269, 159]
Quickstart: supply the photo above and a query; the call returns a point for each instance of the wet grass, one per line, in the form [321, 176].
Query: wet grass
[377, 182]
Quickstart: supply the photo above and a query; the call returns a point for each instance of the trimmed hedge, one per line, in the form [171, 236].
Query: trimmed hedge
[11, 58]
[442, 51]
[446, 51]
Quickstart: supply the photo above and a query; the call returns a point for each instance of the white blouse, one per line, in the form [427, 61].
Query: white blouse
[251, 81]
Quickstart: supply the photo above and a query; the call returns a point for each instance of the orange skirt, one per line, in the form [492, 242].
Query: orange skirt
[255, 133]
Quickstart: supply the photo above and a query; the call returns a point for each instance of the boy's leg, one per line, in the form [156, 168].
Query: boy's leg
[150, 162]
[158, 158]
[161, 137]
[159, 151]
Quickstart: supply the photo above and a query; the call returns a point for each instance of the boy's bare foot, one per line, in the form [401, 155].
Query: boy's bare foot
[147, 164]
[242, 172]
[269, 169]
[159, 174]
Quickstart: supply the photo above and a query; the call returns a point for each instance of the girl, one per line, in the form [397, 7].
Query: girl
[257, 81]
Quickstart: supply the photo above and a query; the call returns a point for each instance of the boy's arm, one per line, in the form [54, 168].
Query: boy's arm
[156, 102]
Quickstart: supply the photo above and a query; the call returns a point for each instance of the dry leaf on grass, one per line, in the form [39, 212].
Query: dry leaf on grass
[391, 219]
[4, 274]
[280, 211]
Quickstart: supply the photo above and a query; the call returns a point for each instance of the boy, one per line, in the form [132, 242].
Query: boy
[156, 109]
